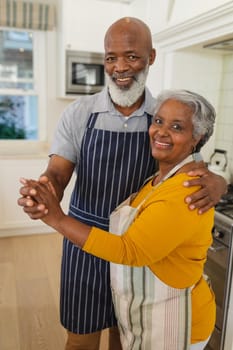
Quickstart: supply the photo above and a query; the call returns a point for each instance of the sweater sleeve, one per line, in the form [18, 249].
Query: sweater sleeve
[164, 224]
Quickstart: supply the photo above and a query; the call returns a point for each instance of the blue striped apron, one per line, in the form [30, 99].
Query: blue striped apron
[112, 166]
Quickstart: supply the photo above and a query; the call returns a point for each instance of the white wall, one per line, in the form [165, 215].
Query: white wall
[211, 75]
[196, 71]
[224, 130]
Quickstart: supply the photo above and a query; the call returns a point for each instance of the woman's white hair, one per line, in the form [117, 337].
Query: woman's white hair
[203, 112]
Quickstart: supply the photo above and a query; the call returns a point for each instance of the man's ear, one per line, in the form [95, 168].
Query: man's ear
[152, 57]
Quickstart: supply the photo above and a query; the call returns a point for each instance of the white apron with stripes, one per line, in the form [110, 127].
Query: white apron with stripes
[151, 315]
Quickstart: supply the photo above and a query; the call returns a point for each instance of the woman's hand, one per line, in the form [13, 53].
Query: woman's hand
[43, 193]
[212, 188]
[28, 203]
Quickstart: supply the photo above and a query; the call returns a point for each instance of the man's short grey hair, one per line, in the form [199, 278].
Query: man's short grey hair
[203, 112]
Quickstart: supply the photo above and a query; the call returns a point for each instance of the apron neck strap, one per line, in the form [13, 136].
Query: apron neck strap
[190, 158]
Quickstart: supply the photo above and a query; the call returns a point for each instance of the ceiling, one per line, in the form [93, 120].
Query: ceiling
[120, 1]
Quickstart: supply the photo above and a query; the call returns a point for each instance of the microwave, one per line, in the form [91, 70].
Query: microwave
[84, 72]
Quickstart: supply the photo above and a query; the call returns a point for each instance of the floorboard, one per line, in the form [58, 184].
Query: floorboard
[29, 293]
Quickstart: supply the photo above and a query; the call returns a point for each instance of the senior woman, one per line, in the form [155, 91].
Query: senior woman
[158, 247]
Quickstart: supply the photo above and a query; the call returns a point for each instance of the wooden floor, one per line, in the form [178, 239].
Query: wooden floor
[29, 293]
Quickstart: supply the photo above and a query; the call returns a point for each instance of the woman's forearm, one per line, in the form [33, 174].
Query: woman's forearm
[75, 231]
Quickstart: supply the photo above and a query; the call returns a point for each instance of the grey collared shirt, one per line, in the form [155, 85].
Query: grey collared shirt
[71, 126]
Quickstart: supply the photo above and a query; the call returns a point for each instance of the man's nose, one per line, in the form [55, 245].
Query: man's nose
[121, 65]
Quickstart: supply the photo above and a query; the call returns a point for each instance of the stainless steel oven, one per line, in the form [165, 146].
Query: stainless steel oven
[219, 268]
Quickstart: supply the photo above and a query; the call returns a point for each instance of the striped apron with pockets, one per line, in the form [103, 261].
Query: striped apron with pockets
[151, 315]
[112, 166]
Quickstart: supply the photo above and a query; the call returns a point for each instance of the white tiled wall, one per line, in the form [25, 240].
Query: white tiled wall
[224, 129]
[199, 71]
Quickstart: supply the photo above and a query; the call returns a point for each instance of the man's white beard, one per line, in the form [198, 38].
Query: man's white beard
[126, 98]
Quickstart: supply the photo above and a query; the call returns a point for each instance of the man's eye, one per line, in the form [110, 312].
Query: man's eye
[132, 57]
[110, 59]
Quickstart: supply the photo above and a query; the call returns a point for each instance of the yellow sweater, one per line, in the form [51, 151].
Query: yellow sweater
[172, 241]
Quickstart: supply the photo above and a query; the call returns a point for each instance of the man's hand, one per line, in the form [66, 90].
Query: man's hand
[44, 193]
[30, 205]
[212, 188]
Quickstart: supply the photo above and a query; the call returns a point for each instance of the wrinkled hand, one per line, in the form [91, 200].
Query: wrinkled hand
[28, 201]
[212, 188]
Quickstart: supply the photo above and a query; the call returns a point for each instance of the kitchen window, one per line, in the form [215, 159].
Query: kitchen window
[22, 86]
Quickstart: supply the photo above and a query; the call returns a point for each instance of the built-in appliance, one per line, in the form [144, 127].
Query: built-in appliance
[84, 72]
[219, 267]
[218, 164]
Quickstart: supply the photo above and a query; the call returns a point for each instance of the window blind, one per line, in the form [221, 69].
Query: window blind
[27, 15]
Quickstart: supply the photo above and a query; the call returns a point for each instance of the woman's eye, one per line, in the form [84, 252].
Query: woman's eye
[157, 121]
[177, 127]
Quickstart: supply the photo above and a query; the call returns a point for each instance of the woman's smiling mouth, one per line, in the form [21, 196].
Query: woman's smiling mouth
[161, 145]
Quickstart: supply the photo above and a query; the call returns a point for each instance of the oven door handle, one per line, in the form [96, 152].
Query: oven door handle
[216, 249]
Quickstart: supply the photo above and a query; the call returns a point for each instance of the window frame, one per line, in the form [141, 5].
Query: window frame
[24, 147]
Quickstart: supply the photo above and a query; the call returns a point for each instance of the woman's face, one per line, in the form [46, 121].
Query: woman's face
[171, 132]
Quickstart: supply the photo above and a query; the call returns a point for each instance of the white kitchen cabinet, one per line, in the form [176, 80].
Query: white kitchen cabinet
[81, 26]
[13, 221]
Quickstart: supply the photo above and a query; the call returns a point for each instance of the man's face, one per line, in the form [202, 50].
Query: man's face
[127, 63]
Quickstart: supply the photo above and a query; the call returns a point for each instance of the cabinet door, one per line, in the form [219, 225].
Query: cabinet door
[13, 221]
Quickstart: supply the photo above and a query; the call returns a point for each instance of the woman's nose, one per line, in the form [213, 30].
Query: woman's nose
[160, 129]
[163, 130]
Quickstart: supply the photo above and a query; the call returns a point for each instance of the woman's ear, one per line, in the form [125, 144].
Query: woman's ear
[196, 143]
